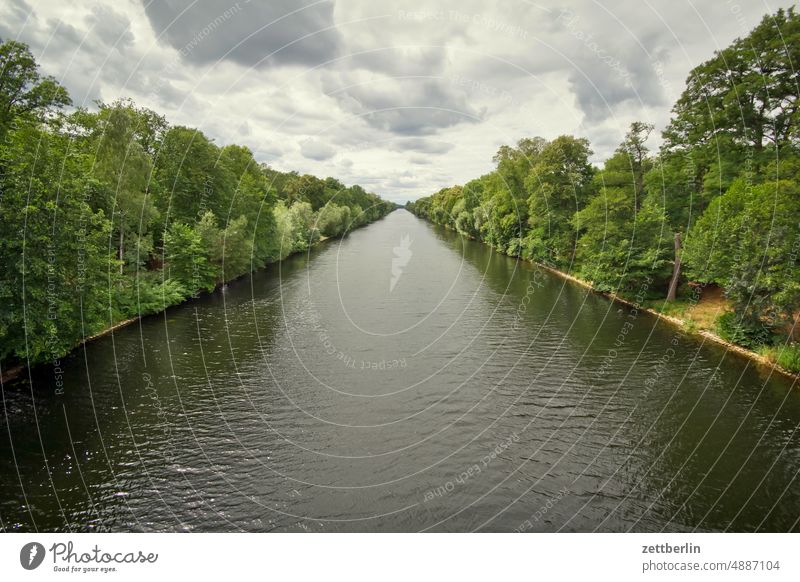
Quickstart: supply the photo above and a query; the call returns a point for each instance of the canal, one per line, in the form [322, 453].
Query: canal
[401, 379]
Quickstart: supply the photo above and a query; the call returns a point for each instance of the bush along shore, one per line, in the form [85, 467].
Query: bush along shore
[112, 214]
[9, 374]
[708, 224]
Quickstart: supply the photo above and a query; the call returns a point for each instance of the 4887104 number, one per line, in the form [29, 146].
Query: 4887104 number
[754, 565]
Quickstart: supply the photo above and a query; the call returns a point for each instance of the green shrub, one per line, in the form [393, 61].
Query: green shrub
[151, 295]
[743, 332]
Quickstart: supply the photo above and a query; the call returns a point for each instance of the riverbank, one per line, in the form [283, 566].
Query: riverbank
[687, 325]
[14, 372]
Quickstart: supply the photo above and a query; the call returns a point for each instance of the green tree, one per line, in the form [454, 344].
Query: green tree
[254, 199]
[237, 249]
[624, 241]
[333, 220]
[24, 92]
[748, 241]
[284, 230]
[190, 181]
[304, 231]
[306, 188]
[559, 185]
[57, 269]
[123, 167]
[738, 109]
[189, 257]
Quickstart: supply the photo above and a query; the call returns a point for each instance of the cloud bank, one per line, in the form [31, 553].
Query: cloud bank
[402, 97]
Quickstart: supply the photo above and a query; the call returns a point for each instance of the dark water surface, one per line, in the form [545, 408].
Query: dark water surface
[478, 393]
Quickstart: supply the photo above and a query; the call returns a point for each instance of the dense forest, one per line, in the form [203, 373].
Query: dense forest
[110, 214]
[718, 205]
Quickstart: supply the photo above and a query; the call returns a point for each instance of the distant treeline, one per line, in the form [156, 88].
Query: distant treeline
[110, 214]
[718, 204]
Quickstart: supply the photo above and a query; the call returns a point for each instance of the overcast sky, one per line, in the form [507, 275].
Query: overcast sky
[401, 97]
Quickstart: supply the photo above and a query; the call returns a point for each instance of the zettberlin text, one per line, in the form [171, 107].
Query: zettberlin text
[671, 549]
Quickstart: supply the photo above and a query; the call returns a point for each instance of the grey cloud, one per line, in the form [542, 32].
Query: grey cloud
[596, 94]
[599, 90]
[111, 28]
[611, 64]
[65, 34]
[268, 150]
[14, 16]
[168, 95]
[244, 129]
[19, 12]
[404, 106]
[249, 33]
[93, 56]
[599, 85]
[399, 61]
[316, 150]
[421, 144]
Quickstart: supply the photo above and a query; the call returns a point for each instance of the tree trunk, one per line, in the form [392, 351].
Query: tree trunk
[676, 270]
[121, 254]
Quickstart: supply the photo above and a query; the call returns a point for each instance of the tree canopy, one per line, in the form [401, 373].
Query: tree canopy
[113, 213]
